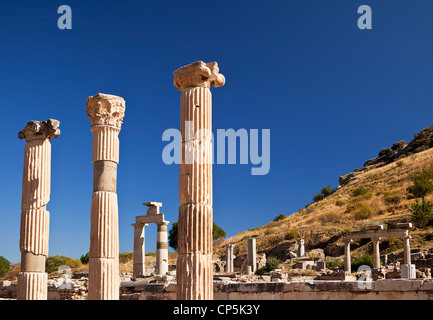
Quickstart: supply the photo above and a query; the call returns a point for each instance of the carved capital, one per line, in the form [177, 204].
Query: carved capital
[105, 110]
[40, 130]
[198, 74]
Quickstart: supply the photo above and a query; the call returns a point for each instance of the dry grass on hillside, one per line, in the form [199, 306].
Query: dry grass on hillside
[384, 202]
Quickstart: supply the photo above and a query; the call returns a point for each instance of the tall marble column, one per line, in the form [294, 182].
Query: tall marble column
[162, 248]
[34, 233]
[376, 253]
[347, 260]
[229, 257]
[194, 264]
[106, 114]
[138, 267]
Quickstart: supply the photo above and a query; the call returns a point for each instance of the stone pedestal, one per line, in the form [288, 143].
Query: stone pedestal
[408, 271]
[252, 255]
[195, 223]
[36, 188]
[106, 114]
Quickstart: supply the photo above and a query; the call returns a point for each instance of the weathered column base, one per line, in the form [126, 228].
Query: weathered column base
[408, 271]
[194, 277]
[32, 286]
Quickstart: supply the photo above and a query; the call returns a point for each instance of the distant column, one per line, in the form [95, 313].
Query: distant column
[194, 264]
[229, 257]
[347, 262]
[162, 248]
[106, 114]
[138, 267]
[376, 253]
[36, 188]
[301, 248]
[406, 241]
[252, 255]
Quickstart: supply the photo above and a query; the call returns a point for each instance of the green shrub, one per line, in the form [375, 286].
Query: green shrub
[359, 192]
[280, 217]
[271, 264]
[5, 266]
[364, 212]
[366, 259]
[422, 184]
[385, 152]
[326, 191]
[334, 263]
[340, 203]
[269, 231]
[361, 210]
[318, 197]
[398, 145]
[246, 237]
[421, 212]
[292, 234]
[53, 263]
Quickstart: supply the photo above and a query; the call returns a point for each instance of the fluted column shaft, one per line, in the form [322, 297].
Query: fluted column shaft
[194, 265]
[36, 188]
[106, 114]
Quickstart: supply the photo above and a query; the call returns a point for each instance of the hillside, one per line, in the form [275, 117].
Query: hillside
[375, 194]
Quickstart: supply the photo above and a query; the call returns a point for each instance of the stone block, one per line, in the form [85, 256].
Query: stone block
[408, 271]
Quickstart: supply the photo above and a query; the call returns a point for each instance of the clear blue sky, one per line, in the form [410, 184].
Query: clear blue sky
[331, 94]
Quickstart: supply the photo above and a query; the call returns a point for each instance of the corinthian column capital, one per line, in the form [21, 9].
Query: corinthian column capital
[105, 110]
[198, 74]
[40, 130]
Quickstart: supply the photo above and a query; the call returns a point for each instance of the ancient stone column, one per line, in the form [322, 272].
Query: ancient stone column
[162, 248]
[194, 264]
[301, 248]
[252, 255]
[34, 233]
[376, 253]
[106, 113]
[138, 267]
[347, 262]
[229, 257]
[406, 242]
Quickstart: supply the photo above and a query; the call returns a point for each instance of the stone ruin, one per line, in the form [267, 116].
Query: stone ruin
[194, 269]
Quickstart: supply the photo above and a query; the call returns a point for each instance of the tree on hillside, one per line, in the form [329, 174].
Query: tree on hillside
[421, 212]
[326, 191]
[5, 266]
[85, 258]
[217, 233]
